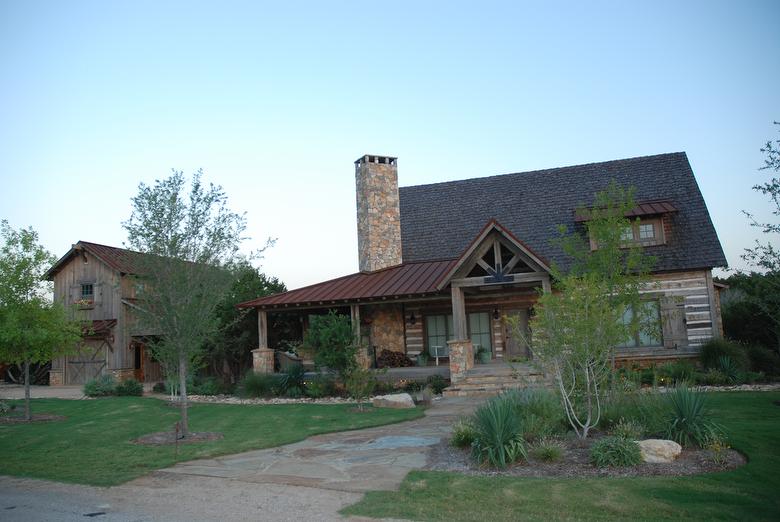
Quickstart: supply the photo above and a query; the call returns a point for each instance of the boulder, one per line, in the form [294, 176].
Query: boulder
[658, 451]
[396, 400]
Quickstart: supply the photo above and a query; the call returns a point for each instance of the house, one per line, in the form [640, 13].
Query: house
[443, 265]
[98, 280]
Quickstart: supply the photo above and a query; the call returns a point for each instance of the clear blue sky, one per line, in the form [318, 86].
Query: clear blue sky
[275, 101]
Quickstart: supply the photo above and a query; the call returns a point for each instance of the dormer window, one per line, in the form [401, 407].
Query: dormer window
[645, 232]
[647, 223]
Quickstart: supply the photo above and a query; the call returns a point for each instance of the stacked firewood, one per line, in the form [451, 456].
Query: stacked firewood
[391, 359]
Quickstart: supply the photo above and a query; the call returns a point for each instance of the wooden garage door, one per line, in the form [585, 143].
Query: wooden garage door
[88, 363]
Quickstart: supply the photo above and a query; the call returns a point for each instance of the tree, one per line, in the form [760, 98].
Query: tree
[578, 325]
[332, 340]
[190, 244]
[229, 353]
[764, 256]
[32, 328]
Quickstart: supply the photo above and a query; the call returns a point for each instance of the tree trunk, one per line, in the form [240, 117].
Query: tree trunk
[185, 428]
[27, 415]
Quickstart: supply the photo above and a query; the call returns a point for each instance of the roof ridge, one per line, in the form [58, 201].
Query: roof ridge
[552, 169]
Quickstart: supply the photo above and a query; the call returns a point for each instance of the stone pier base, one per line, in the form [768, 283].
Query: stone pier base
[263, 360]
[461, 359]
[56, 378]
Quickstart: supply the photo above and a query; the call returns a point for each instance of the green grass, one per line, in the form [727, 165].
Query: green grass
[93, 445]
[747, 493]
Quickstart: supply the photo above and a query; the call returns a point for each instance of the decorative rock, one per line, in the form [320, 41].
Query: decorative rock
[396, 400]
[658, 451]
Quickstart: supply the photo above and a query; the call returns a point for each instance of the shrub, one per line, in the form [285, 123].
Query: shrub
[257, 385]
[763, 360]
[628, 429]
[718, 450]
[159, 387]
[437, 383]
[712, 377]
[539, 412]
[676, 372]
[321, 386]
[645, 407]
[102, 386]
[463, 433]
[615, 451]
[129, 387]
[360, 383]
[208, 386]
[6, 408]
[498, 437]
[291, 384]
[713, 350]
[689, 420]
[547, 450]
[331, 339]
[734, 374]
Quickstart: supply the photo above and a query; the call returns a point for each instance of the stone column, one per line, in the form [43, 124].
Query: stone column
[461, 358]
[263, 360]
[55, 378]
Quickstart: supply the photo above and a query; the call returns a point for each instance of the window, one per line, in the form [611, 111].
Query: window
[479, 328]
[646, 231]
[87, 292]
[649, 334]
[627, 234]
[438, 330]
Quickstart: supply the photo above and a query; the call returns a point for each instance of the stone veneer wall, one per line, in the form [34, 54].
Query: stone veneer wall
[387, 327]
[378, 213]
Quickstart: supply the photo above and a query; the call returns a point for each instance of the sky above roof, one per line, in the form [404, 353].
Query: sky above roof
[276, 100]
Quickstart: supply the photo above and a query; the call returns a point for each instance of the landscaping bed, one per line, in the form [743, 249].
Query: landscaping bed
[575, 462]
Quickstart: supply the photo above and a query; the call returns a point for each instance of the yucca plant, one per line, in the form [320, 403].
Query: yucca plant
[689, 419]
[730, 369]
[498, 436]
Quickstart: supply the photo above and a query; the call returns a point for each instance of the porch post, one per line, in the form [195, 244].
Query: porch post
[461, 350]
[362, 352]
[262, 356]
[546, 286]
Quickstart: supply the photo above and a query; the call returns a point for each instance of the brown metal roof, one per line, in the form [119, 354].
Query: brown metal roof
[120, 259]
[645, 208]
[409, 279]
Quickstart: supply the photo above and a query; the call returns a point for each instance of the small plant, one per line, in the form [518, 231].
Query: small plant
[257, 385]
[291, 384]
[321, 386]
[463, 433]
[437, 383]
[539, 412]
[713, 377]
[547, 450]
[615, 452]
[730, 369]
[763, 360]
[718, 450]
[129, 387]
[5, 408]
[159, 387]
[628, 429]
[498, 438]
[713, 350]
[208, 386]
[102, 386]
[677, 372]
[689, 422]
[360, 384]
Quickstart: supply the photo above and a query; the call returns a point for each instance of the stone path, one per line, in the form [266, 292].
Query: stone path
[357, 461]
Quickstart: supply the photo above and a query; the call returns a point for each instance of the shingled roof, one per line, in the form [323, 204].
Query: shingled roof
[439, 220]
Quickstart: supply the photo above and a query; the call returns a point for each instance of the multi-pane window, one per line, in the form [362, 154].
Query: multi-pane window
[646, 231]
[479, 330]
[438, 330]
[87, 292]
[649, 334]
[627, 234]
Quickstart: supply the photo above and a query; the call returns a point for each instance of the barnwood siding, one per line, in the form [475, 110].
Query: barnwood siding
[107, 284]
[414, 332]
[692, 291]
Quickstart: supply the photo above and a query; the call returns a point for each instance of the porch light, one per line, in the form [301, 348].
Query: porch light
[496, 314]
[412, 319]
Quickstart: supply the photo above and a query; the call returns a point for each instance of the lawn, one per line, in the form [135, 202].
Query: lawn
[93, 445]
[747, 493]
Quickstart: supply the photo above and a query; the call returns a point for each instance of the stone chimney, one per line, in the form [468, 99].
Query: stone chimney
[378, 212]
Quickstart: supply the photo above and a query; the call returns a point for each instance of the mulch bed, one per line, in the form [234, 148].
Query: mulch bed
[576, 463]
[164, 438]
[36, 417]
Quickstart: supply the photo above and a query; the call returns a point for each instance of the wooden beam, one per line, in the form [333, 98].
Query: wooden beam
[530, 277]
[459, 314]
[262, 329]
[546, 285]
[354, 315]
[714, 317]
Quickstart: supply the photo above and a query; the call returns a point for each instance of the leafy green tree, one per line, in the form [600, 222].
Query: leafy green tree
[191, 244]
[577, 326]
[229, 353]
[331, 338]
[32, 328]
[764, 256]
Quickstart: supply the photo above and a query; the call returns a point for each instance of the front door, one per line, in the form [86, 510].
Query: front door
[518, 343]
[139, 355]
